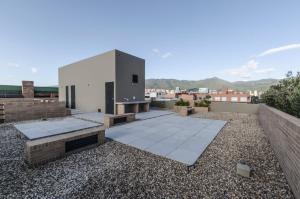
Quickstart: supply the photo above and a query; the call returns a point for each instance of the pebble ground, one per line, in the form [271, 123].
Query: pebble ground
[114, 170]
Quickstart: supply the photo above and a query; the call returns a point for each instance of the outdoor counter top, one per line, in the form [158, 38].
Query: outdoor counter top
[133, 102]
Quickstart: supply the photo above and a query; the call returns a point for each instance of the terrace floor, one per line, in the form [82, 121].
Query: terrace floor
[99, 117]
[116, 170]
[182, 139]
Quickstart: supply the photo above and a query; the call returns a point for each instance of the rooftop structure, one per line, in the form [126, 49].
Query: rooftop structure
[104, 82]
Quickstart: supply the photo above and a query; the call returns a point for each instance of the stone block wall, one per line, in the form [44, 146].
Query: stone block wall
[19, 109]
[43, 150]
[283, 131]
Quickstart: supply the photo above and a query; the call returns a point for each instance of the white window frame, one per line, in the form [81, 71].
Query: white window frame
[234, 99]
[243, 99]
[224, 99]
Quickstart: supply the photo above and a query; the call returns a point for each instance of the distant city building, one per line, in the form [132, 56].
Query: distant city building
[213, 91]
[256, 93]
[193, 90]
[156, 94]
[203, 90]
[227, 96]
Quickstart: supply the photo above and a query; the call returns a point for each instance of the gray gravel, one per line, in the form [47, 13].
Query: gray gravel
[114, 170]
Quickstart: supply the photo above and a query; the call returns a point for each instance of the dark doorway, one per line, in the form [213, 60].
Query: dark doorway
[109, 97]
[73, 103]
[67, 96]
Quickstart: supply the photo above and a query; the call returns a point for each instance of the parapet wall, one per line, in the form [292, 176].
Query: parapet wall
[234, 107]
[19, 109]
[283, 131]
[163, 104]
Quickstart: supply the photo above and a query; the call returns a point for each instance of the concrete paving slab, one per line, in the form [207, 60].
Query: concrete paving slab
[39, 129]
[152, 114]
[161, 149]
[126, 139]
[97, 117]
[178, 138]
[142, 143]
[183, 155]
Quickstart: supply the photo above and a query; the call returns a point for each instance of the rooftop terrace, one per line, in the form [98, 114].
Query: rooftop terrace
[116, 170]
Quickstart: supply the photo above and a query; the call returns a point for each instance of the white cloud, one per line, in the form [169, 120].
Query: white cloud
[246, 71]
[166, 55]
[265, 71]
[161, 54]
[34, 70]
[279, 49]
[252, 64]
[11, 64]
[240, 72]
[155, 50]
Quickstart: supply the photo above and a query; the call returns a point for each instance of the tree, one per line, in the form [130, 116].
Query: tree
[285, 95]
[254, 99]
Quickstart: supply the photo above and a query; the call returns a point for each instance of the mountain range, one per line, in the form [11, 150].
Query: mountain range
[211, 83]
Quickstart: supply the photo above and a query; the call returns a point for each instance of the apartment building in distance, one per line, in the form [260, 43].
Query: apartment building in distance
[113, 83]
[228, 96]
[221, 96]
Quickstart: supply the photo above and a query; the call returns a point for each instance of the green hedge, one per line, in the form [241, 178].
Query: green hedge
[181, 102]
[285, 96]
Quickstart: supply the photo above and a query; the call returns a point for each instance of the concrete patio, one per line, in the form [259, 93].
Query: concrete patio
[182, 139]
[98, 117]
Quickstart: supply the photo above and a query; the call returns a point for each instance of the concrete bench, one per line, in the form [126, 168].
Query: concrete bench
[111, 120]
[43, 150]
[132, 107]
[185, 111]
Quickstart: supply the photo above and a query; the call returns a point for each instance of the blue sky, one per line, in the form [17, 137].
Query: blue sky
[230, 39]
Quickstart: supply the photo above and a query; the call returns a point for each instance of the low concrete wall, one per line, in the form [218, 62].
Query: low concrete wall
[283, 131]
[163, 104]
[234, 107]
[19, 109]
[201, 109]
